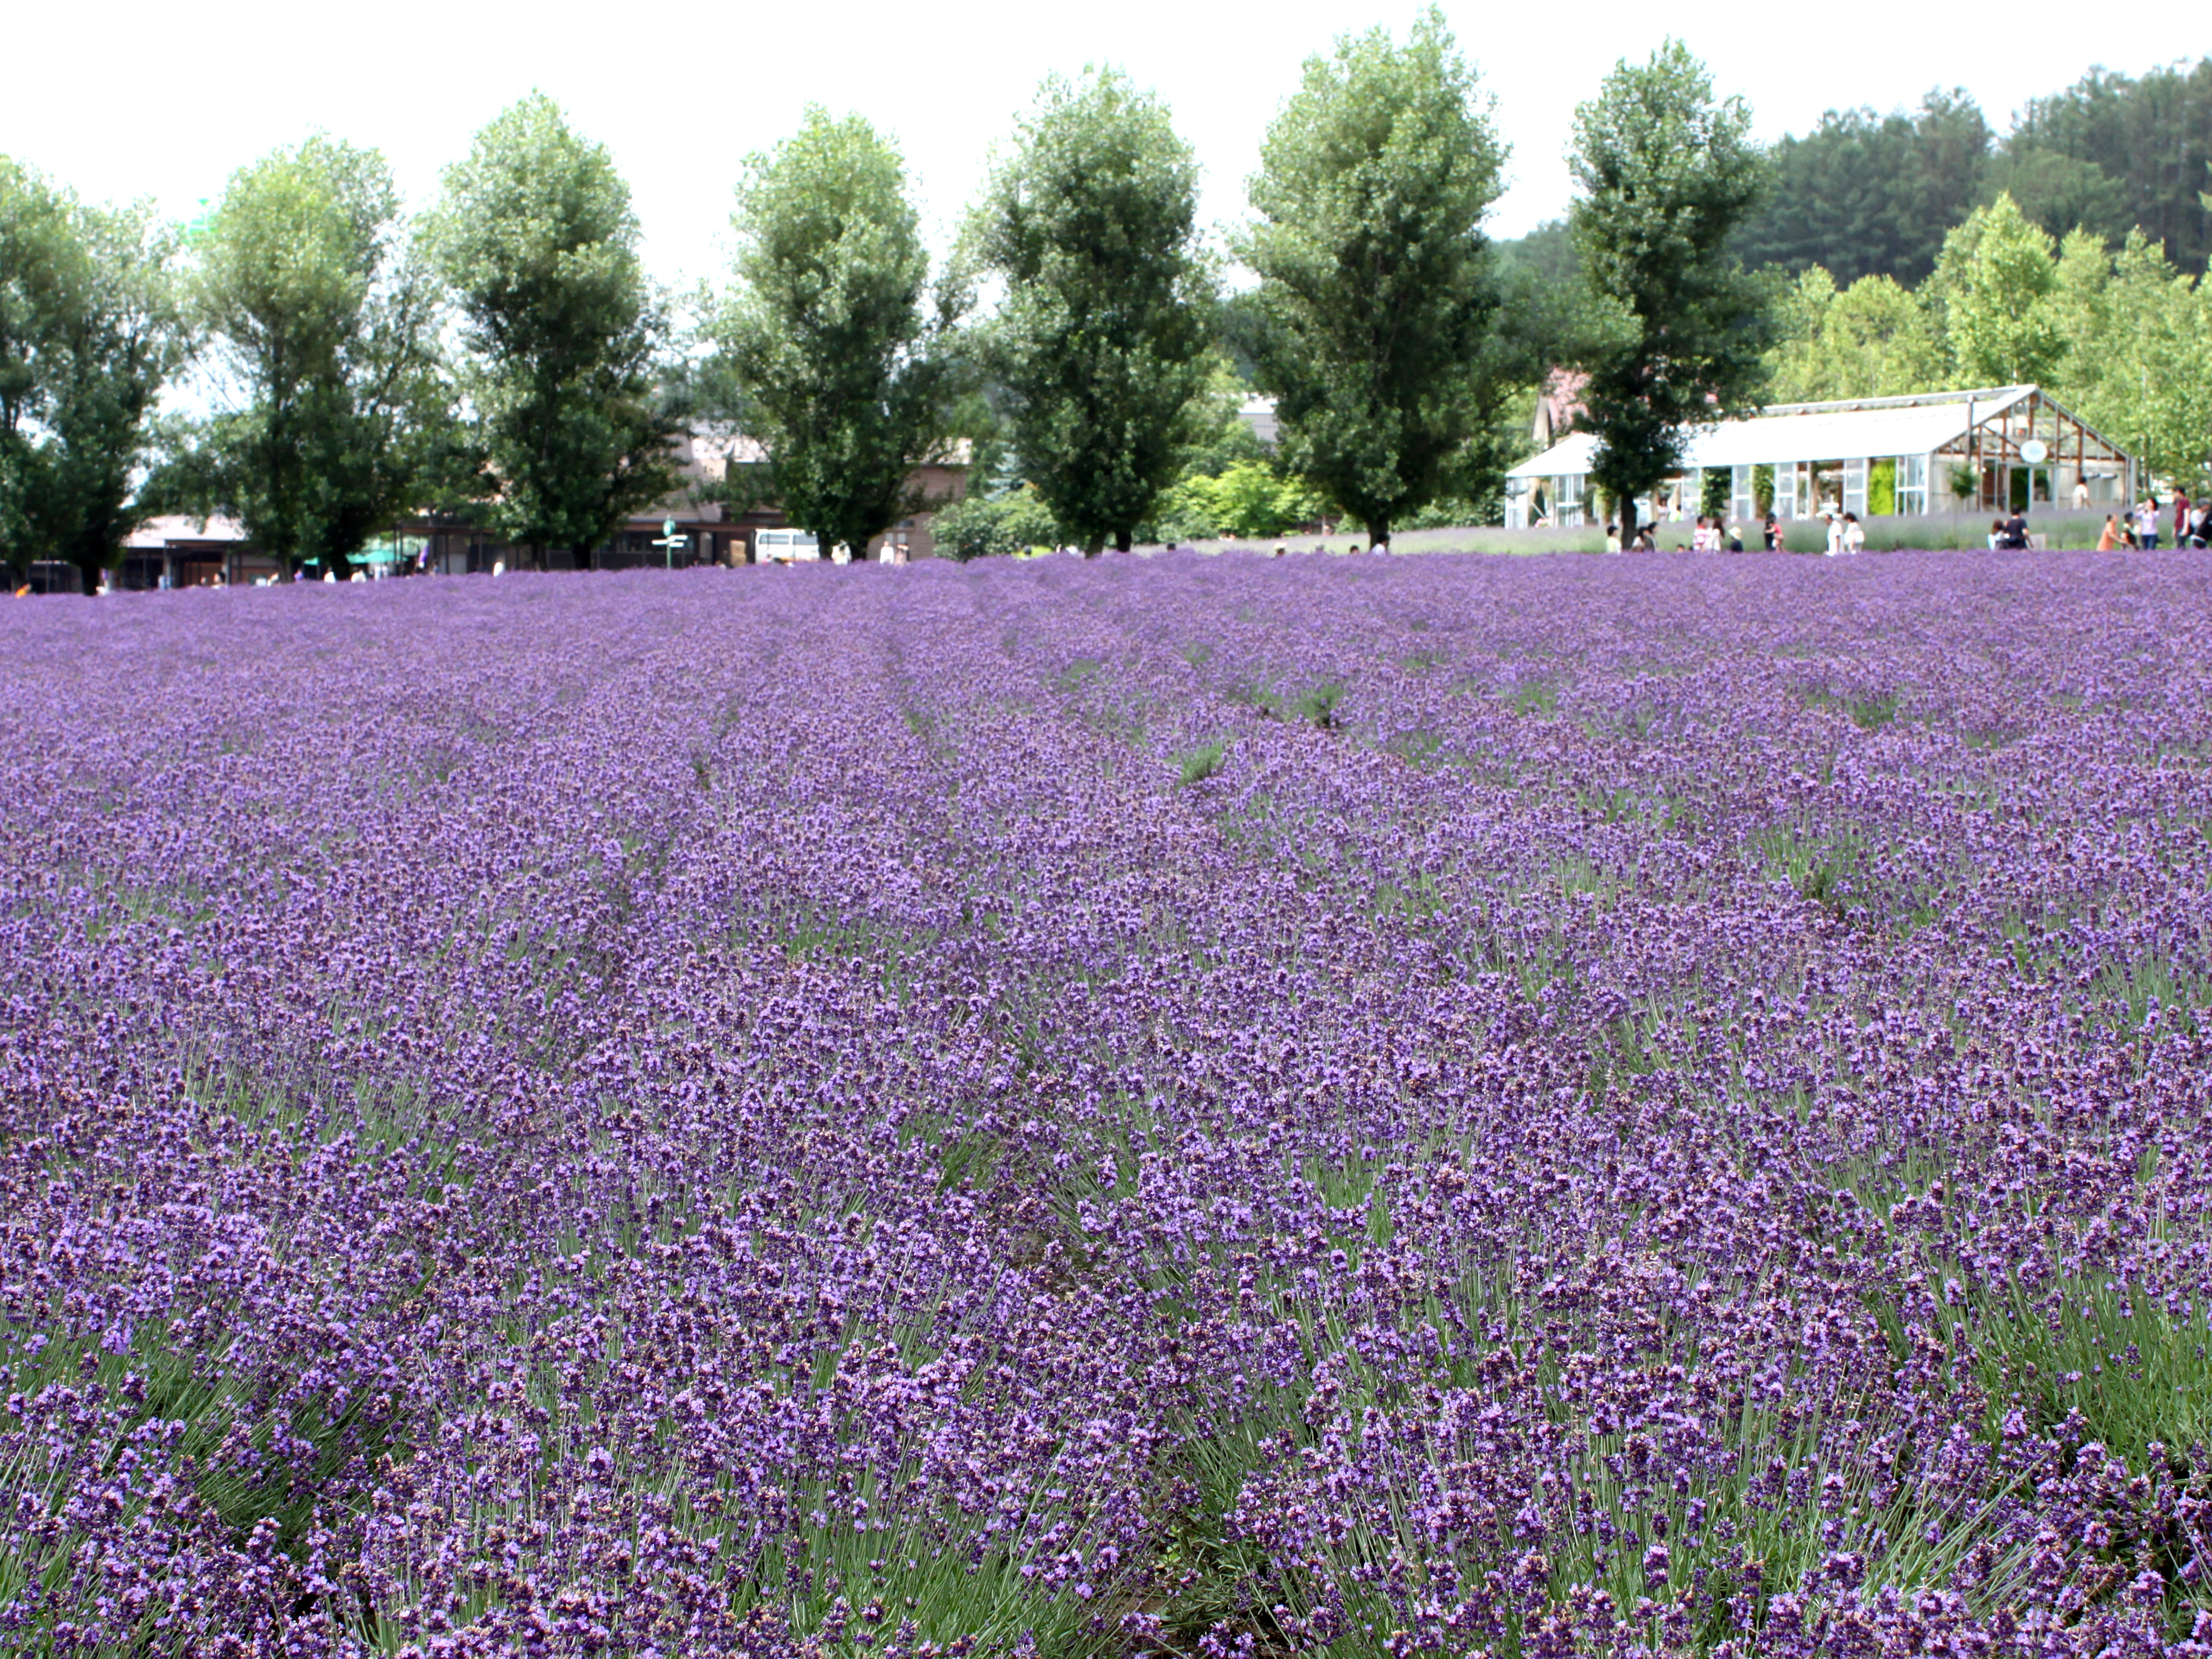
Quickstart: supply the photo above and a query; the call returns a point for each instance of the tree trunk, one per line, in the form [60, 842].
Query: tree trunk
[1627, 521]
[1093, 546]
[1121, 539]
[1378, 532]
[87, 574]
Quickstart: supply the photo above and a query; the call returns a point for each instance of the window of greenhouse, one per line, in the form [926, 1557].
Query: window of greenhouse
[1911, 484]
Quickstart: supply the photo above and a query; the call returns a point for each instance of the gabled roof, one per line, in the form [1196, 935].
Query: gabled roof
[1814, 432]
[1559, 404]
[173, 528]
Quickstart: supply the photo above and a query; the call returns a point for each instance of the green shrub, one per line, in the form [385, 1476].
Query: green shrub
[982, 527]
[1881, 488]
[1248, 502]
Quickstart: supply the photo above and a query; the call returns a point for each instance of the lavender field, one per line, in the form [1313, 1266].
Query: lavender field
[1558, 1108]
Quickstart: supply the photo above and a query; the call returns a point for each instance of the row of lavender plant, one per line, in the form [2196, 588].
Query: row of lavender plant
[1174, 1105]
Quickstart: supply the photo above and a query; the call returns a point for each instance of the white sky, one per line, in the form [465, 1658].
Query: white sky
[179, 95]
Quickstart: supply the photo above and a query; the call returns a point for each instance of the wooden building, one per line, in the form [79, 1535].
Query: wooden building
[177, 552]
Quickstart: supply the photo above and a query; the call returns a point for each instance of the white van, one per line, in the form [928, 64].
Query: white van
[783, 546]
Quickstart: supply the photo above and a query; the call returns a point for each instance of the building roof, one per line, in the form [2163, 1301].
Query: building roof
[1258, 412]
[1813, 432]
[172, 529]
[1559, 404]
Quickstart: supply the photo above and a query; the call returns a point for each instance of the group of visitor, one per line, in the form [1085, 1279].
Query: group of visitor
[1715, 534]
[2192, 524]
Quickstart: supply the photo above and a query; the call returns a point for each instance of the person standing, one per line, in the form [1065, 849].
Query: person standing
[2110, 539]
[2147, 524]
[1854, 534]
[2081, 494]
[2180, 516]
[1770, 532]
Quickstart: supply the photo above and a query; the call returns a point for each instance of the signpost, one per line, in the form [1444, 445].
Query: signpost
[669, 539]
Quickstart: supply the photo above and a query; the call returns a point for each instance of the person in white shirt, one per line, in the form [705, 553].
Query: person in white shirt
[1835, 534]
[1854, 534]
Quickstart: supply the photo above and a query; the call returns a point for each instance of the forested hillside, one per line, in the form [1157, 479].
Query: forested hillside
[1864, 194]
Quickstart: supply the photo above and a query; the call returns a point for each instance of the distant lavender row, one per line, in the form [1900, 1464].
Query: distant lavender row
[1564, 1107]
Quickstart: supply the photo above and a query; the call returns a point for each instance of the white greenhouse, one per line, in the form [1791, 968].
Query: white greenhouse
[1987, 450]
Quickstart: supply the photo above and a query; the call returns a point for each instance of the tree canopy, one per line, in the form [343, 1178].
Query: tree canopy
[90, 334]
[564, 332]
[1867, 194]
[1876, 338]
[325, 327]
[1100, 343]
[840, 352]
[1996, 272]
[1667, 174]
[1378, 292]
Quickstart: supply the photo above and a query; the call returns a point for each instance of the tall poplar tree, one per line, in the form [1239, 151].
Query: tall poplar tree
[90, 335]
[839, 349]
[564, 331]
[1100, 343]
[123, 339]
[1376, 289]
[36, 259]
[1667, 173]
[325, 327]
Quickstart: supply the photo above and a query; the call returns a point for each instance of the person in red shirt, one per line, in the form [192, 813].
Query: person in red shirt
[2180, 516]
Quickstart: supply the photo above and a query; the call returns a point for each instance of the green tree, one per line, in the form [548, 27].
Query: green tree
[1873, 339]
[89, 334]
[36, 262]
[1667, 174]
[1866, 195]
[1995, 283]
[536, 236]
[976, 526]
[1546, 253]
[1222, 436]
[1100, 343]
[2138, 360]
[1249, 500]
[325, 326]
[2117, 153]
[1376, 281]
[125, 339]
[842, 354]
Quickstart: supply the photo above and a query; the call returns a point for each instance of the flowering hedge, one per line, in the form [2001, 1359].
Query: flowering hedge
[1559, 1107]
